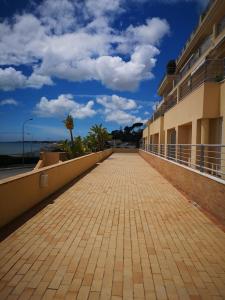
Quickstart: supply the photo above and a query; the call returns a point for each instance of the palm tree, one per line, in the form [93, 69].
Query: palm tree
[69, 125]
[99, 135]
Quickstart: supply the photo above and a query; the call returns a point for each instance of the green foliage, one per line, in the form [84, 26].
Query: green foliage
[78, 147]
[69, 124]
[219, 77]
[97, 138]
[171, 67]
[132, 134]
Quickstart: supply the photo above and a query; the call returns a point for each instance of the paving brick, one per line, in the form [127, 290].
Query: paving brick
[120, 232]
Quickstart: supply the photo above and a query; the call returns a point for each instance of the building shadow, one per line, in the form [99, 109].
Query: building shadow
[9, 228]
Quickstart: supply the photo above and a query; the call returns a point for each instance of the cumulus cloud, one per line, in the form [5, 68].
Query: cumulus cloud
[115, 102]
[11, 79]
[63, 105]
[76, 41]
[9, 101]
[119, 109]
[123, 118]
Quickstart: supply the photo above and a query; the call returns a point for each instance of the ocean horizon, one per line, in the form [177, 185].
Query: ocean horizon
[30, 147]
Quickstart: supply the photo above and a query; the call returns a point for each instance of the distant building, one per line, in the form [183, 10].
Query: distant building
[192, 110]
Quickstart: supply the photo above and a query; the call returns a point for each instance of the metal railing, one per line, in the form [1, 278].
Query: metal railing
[221, 26]
[207, 158]
[209, 71]
[212, 70]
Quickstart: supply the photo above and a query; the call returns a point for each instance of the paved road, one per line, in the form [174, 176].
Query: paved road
[8, 172]
[120, 232]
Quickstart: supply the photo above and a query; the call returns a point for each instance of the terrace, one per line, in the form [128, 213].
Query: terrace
[121, 231]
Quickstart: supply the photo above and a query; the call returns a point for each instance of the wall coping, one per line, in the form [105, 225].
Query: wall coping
[42, 170]
[188, 168]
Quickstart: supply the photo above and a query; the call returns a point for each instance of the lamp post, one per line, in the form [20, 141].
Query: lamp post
[23, 135]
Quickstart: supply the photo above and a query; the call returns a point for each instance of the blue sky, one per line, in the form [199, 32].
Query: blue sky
[100, 61]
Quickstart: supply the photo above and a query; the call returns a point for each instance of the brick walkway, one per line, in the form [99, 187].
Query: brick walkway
[121, 232]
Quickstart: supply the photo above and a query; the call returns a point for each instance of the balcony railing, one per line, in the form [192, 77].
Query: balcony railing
[206, 158]
[193, 58]
[210, 70]
[221, 26]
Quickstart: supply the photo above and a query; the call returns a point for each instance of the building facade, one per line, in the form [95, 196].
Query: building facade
[192, 110]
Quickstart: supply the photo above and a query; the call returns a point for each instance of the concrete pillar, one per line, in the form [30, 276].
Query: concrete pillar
[166, 137]
[214, 34]
[178, 94]
[205, 131]
[205, 140]
[194, 132]
[223, 149]
[176, 146]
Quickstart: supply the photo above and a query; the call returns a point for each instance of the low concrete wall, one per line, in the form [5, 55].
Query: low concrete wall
[208, 192]
[50, 158]
[22, 192]
[125, 150]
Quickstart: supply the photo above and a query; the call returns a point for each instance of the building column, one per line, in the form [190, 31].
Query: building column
[194, 134]
[165, 149]
[223, 148]
[205, 131]
[176, 145]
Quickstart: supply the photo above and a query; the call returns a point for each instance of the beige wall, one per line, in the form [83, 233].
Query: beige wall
[145, 132]
[201, 103]
[50, 158]
[125, 150]
[222, 110]
[156, 125]
[22, 192]
[208, 193]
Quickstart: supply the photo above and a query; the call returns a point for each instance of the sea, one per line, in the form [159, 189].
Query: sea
[30, 148]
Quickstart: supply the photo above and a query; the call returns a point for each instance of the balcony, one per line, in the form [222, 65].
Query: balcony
[169, 102]
[206, 44]
[209, 71]
[221, 26]
[166, 85]
[113, 234]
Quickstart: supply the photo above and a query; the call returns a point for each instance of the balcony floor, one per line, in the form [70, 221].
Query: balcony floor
[120, 232]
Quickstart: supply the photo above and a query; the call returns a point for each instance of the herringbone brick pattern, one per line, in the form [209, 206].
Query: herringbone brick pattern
[120, 232]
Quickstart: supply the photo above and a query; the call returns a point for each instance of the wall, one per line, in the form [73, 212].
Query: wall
[50, 158]
[197, 105]
[222, 109]
[21, 192]
[125, 150]
[207, 192]
[156, 125]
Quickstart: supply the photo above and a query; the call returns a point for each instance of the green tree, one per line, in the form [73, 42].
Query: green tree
[70, 126]
[78, 147]
[97, 138]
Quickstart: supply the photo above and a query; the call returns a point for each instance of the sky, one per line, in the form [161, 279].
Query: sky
[99, 60]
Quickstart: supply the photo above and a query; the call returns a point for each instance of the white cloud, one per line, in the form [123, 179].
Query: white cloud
[11, 79]
[57, 16]
[116, 109]
[37, 81]
[63, 105]
[76, 41]
[123, 118]
[150, 33]
[8, 102]
[115, 102]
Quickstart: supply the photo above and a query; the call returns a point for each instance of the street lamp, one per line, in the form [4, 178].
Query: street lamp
[23, 135]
